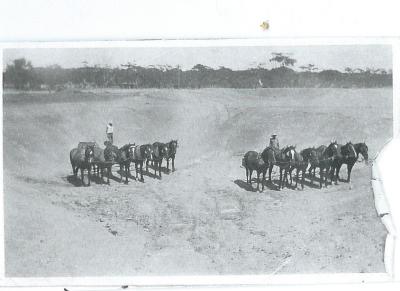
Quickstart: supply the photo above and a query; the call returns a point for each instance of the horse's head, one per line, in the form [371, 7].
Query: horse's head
[313, 158]
[164, 150]
[362, 148]
[348, 150]
[173, 145]
[333, 149]
[288, 153]
[89, 154]
[310, 155]
[148, 152]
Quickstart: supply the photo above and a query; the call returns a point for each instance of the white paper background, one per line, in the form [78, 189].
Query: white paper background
[46, 20]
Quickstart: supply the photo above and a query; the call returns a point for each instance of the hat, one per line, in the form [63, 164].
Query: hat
[273, 134]
[110, 122]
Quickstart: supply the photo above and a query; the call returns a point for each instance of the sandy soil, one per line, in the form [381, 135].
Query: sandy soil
[203, 218]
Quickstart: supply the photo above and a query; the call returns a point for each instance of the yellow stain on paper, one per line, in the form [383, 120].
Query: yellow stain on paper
[264, 25]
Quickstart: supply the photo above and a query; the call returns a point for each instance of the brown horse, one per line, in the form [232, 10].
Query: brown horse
[139, 154]
[300, 164]
[311, 156]
[82, 158]
[284, 159]
[326, 156]
[349, 156]
[104, 159]
[160, 151]
[123, 158]
[253, 161]
[172, 146]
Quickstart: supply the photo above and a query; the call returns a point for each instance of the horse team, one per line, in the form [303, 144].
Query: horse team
[328, 159]
[89, 156]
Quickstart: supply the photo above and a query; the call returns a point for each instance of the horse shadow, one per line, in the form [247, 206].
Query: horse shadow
[164, 169]
[249, 187]
[149, 174]
[244, 185]
[96, 179]
[122, 173]
[74, 180]
[307, 181]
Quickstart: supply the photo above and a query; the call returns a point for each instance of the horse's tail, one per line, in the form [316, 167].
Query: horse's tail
[72, 154]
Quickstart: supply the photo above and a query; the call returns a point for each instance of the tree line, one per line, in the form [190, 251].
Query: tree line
[21, 75]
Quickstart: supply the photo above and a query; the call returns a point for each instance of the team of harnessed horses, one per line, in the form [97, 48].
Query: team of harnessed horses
[90, 156]
[328, 159]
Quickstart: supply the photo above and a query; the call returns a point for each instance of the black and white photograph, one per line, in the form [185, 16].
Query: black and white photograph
[208, 160]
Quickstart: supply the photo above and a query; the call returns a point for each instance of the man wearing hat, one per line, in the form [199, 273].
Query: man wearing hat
[110, 131]
[274, 142]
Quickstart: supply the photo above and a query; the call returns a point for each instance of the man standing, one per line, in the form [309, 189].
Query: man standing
[109, 132]
[274, 142]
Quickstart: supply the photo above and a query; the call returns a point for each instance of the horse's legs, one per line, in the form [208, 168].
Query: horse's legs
[321, 176]
[326, 176]
[173, 164]
[258, 180]
[302, 178]
[349, 168]
[89, 173]
[141, 171]
[159, 168]
[314, 173]
[251, 172]
[332, 174]
[127, 170]
[263, 179]
[167, 165]
[108, 174]
[247, 175]
[270, 171]
[74, 170]
[83, 183]
[286, 178]
[120, 172]
[338, 171]
[280, 178]
[297, 177]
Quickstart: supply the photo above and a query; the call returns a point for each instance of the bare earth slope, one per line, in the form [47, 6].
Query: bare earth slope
[201, 219]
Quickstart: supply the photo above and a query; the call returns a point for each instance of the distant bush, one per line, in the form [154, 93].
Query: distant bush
[21, 75]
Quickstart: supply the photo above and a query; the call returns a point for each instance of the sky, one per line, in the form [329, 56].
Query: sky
[324, 57]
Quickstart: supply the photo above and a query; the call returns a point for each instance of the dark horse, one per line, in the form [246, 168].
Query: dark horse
[253, 161]
[326, 156]
[82, 158]
[284, 159]
[104, 159]
[301, 161]
[123, 158]
[349, 156]
[172, 146]
[311, 156]
[160, 151]
[139, 154]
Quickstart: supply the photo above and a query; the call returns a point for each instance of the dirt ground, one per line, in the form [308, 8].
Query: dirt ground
[203, 218]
